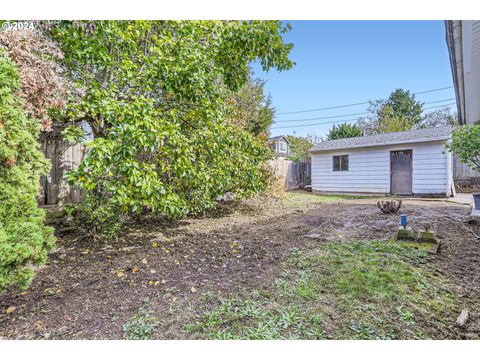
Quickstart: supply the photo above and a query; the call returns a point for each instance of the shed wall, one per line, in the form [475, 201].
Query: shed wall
[369, 169]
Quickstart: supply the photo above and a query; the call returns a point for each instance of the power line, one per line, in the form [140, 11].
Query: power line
[323, 117]
[344, 121]
[439, 101]
[326, 108]
[433, 90]
[346, 115]
[355, 104]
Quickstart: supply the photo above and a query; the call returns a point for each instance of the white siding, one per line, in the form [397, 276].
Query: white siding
[369, 169]
[471, 69]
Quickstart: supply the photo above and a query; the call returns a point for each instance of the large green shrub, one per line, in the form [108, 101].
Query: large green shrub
[466, 145]
[157, 97]
[24, 239]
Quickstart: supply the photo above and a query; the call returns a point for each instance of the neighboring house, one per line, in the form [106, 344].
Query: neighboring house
[405, 163]
[463, 41]
[280, 145]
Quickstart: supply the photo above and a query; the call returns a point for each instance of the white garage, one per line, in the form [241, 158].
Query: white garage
[413, 162]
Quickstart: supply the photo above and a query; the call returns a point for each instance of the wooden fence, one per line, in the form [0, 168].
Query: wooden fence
[464, 177]
[296, 174]
[55, 189]
[462, 171]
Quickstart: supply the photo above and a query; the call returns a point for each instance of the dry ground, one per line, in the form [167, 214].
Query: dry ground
[166, 282]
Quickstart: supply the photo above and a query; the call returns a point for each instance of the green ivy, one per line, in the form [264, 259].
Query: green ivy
[24, 240]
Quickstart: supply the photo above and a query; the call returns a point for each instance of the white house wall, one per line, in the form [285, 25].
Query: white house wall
[471, 63]
[369, 169]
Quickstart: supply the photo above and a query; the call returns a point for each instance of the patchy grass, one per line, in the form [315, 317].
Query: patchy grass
[142, 325]
[255, 319]
[264, 289]
[362, 290]
[302, 198]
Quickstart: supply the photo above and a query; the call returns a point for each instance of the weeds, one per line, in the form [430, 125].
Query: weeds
[361, 290]
[142, 325]
[237, 319]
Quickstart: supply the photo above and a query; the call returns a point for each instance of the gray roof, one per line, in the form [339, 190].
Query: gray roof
[276, 138]
[402, 137]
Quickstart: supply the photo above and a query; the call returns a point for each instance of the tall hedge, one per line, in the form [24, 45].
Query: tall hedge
[24, 239]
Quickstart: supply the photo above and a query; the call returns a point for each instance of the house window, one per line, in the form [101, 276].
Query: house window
[340, 163]
[282, 147]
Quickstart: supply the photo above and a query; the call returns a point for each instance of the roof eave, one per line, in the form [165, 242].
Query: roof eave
[453, 34]
[438, 138]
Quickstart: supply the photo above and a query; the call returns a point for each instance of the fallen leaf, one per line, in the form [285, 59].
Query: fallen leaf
[10, 309]
[153, 271]
[144, 261]
[164, 281]
[135, 269]
[193, 290]
[128, 248]
[120, 274]
[155, 244]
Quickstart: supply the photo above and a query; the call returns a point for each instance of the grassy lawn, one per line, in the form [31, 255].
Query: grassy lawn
[362, 290]
[305, 199]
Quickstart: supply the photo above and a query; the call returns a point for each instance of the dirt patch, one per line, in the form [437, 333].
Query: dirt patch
[89, 290]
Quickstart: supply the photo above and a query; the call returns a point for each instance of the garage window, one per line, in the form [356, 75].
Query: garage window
[340, 163]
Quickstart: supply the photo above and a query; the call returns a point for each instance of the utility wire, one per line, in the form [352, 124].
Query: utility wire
[344, 121]
[355, 104]
[346, 115]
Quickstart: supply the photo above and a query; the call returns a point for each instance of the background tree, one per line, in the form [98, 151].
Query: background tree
[441, 117]
[156, 98]
[405, 106]
[399, 112]
[344, 130]
[251, 109]
[299, 148]
[24, 239]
